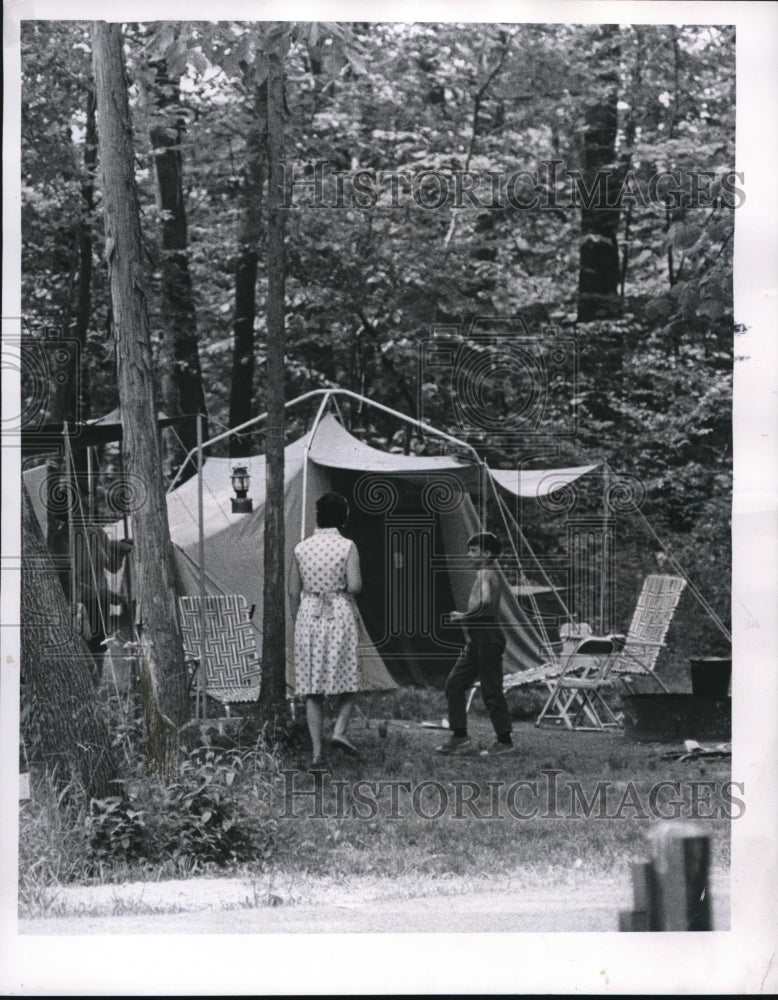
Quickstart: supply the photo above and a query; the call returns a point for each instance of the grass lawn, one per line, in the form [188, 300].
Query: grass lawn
[399, 821]
[563, 804]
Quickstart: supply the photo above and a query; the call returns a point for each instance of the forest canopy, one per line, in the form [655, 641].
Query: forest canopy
[570, 184]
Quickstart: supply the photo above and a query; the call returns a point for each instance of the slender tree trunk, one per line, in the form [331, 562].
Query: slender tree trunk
[272, 703]
[673, 213]
[630, 132]
[61, 726]
[598, 281]
[163, 676]
[242, 386]
[182, 378]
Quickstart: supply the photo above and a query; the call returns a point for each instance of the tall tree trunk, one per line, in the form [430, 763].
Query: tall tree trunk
[598, 280]
[61, 726]
[630, 132]
[182, 377]
[242, 386]
[163, 675]
[272, 702]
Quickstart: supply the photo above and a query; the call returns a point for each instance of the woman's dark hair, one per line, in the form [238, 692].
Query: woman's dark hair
[486, 542]
[331, 511]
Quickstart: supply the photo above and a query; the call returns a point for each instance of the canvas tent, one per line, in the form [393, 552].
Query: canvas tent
[410, 518]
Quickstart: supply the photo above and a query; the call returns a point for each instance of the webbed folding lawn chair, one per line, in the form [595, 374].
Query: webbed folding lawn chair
[577, 697]
[637, 653]
[231, 662]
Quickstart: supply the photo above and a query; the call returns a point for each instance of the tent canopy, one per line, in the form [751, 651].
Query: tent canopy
[335, 448]
[538, 482]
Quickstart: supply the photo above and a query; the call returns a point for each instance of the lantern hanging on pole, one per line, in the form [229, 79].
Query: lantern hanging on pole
[241, 502]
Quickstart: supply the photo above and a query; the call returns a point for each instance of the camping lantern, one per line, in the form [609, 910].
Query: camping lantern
[241, 503]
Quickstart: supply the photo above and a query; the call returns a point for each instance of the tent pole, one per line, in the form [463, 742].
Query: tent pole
[331, 393]
[201, 705]
[604, 568]
[240, 427]
[538, 565]
[306, 451]
[409, 420]
[483, 480]
[90, 486]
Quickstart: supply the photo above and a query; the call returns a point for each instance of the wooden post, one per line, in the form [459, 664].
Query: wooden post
[640, 917]
[671, 891]
[680, 854]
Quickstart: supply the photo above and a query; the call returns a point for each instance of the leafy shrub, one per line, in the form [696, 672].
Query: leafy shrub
[115, 829]
[208, 817]
[203, 816]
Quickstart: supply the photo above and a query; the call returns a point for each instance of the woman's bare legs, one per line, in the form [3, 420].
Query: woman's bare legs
[346, 704]
[313, 714]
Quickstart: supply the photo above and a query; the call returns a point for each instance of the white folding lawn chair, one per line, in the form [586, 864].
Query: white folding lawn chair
[575, 659]
[576, 697]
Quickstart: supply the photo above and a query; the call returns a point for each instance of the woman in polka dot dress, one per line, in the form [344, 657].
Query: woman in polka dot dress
[325, 576]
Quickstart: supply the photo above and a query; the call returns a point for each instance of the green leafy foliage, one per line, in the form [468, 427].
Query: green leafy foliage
[201, 820]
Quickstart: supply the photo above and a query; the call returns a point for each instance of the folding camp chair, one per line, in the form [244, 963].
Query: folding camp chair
[637, 653]
[576, 696]
[574, 659]
[231, 661]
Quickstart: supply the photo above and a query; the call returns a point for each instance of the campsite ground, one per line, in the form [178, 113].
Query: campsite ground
[400, 838]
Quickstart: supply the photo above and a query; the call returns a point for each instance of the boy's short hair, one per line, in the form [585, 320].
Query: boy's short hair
[331, 511]
[486, 542]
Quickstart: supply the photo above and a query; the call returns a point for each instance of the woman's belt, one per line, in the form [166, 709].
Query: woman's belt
[322, 602]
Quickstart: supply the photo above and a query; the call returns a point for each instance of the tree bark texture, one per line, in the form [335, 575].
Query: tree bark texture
[598, 281]
[272, 702]
[182, 376]
[62, 728]
[242, 385]
[163, 673]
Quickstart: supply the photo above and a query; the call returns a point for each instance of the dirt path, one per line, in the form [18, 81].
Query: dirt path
[235, 906]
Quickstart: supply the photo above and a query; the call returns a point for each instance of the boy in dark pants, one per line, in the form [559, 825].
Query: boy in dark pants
[481, 658]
